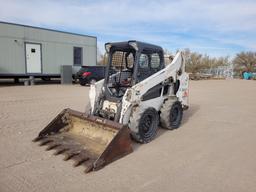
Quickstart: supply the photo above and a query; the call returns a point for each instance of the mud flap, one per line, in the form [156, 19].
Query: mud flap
[90, 141]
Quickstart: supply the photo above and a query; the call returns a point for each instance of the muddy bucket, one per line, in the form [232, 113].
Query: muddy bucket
[90, 141]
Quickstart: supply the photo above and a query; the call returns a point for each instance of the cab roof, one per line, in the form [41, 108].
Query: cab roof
[125, 45]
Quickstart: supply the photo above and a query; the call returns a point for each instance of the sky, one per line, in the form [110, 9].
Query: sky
[213, 27]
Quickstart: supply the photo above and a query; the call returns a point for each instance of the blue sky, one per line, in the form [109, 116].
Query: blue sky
[217, 28]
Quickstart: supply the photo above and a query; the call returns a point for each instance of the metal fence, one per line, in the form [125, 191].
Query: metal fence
[226, 72]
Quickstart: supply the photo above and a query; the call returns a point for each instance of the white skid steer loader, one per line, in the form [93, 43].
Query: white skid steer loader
[138, 94]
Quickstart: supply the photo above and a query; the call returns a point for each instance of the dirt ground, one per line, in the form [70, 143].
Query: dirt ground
[213, 150]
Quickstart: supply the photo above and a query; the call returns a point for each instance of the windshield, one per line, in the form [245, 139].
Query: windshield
[121, 60]
[121, 65]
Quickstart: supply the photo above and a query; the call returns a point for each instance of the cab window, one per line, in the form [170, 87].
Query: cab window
[143, 61]
[155, 61]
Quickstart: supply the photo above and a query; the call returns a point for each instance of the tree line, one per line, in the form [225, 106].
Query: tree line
[243, 61]
[196, 62]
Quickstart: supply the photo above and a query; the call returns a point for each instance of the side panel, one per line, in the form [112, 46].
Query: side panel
[89, 56]
[55, 55]
[12, 55]
[56, 48]
[183, 91]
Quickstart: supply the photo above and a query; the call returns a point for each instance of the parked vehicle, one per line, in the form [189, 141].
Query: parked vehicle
[90, 74]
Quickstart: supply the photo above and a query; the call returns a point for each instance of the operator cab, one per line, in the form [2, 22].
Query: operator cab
[133, 62]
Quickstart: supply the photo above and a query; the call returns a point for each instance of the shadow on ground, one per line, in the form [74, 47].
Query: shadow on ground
[7, 83]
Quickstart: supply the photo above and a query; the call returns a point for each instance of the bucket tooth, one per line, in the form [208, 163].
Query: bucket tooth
[45, 141]
[69, 154]
[77, 163]
[80, 160]
[88, 166]
[60, 150]
[57, 138]
[52, 146]
[37, 139]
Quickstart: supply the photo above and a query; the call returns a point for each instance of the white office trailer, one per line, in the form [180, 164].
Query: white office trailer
[32, 51]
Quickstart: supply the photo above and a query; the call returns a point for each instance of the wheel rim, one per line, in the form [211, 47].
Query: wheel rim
[147, 124]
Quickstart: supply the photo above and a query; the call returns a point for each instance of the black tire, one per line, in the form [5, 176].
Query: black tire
[144, 125]
[82, 83]
[75, 80]
[171, 114]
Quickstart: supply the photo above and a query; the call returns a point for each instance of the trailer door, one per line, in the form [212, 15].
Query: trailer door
[33, 58]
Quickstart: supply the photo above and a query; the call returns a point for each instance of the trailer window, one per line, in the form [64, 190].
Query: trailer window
[78, 56]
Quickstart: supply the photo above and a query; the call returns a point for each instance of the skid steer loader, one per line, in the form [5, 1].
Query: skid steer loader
[132, 102]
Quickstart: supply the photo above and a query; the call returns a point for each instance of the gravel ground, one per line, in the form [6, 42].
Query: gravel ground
[213, 150]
